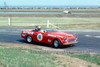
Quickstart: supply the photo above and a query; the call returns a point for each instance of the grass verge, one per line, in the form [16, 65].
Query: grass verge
[24, 57]
[18, 55]
[93, 58]
[64, 23]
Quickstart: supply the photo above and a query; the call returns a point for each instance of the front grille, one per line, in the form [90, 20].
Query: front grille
[71, 40]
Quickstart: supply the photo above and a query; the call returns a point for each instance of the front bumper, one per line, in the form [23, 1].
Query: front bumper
[70, 43]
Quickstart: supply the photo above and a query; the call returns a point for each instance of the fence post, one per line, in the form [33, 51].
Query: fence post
[9, 21]
[48, 23]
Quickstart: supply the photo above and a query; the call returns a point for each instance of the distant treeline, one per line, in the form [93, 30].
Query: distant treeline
[48, 7]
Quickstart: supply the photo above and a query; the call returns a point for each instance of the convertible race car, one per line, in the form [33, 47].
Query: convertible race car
[49, 36]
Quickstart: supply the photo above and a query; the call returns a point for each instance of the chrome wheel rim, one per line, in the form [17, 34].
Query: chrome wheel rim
[29, 39]
[56, 43]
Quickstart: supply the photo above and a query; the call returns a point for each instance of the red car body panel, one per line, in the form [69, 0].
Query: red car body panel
[49, 37]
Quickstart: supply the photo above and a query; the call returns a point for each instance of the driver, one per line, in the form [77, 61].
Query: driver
[38, 28]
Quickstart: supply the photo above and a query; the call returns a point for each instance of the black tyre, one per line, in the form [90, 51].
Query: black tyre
[29, 39]
[56, 43]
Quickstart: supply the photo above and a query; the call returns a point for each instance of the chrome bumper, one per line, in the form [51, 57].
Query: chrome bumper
[70, 43]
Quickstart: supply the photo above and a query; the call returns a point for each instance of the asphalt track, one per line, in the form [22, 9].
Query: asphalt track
[88, 40]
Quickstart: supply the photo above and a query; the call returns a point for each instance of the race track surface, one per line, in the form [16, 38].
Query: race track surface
[88, 40]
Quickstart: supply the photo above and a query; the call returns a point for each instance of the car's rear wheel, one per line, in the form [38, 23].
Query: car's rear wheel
[29, 39]
[56, 43]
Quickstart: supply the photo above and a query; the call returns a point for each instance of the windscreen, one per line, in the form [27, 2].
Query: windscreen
[51, 30]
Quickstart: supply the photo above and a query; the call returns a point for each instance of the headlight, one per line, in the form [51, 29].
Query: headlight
[76, 38]
[65, 39]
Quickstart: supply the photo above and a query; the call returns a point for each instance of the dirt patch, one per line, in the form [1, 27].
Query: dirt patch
[67, 61]
[17, 45]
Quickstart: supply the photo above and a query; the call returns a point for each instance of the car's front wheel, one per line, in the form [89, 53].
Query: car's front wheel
[56, 43]
[29, 39]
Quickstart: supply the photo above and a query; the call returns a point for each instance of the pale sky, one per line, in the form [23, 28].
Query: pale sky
[50, 2]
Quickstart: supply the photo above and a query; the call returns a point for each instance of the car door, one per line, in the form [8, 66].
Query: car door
[40, 37]
[37, 36]
[47, 39]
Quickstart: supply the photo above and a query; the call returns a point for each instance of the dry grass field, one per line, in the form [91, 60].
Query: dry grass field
[64, 23]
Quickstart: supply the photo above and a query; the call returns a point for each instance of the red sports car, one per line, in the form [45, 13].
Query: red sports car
[49, 36]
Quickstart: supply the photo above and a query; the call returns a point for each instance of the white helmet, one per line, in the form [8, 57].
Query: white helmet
[37, 28]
